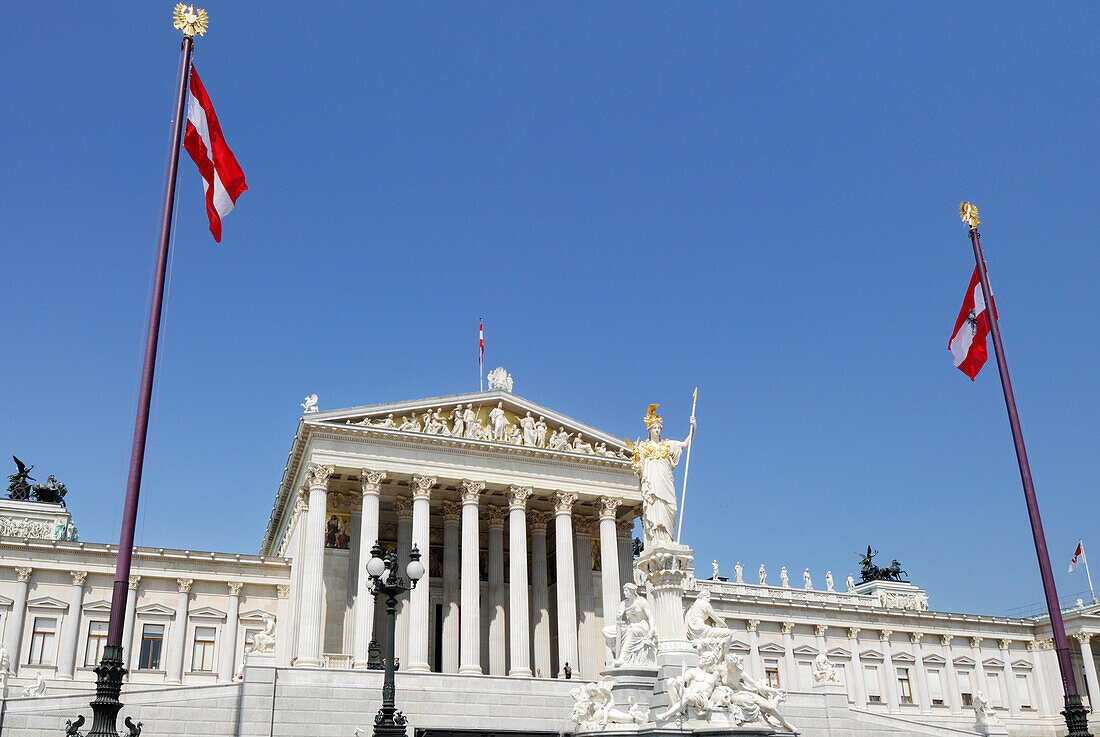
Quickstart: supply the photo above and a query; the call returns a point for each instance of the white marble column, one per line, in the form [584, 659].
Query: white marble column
[283, 619]
[954, 699]
[566, 589]
[1091, 681]
[819, 638]
[404, 545]
[519, 624]
[1009, 680]
[587, 664]
[418, 597]
[756, 666]
[859, 693]
[128, 624]
[1035, 648]
[70, 634]
[498, 665]
[890, 672]
[470, 613]
[610, 596]
[313, 566]
[922, 675]
[370, 482]
[791, 683]
[178, 644]
[13, 643]
[624, 543]
[228, 654]
[452, 515]
[979, 668]
[540, 593]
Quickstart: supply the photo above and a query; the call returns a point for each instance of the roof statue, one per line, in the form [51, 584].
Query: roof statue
[309, 405]
[20, 487]
[499, 379]
[870, 572]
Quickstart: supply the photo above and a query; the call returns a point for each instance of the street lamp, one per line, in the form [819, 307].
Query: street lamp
[385, 580]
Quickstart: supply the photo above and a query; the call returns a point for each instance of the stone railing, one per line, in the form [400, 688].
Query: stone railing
[336, 661]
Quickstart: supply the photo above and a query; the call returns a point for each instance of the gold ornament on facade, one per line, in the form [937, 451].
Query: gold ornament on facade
[652, 418]
[190, 20]
[969, 214]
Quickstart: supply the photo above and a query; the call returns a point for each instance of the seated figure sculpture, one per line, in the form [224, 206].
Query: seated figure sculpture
[823, 671]
[754, 699]
[700, 632]
[632, 637]
[692, 692]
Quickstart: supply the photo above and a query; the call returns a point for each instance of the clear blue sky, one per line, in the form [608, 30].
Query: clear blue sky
[638, 197]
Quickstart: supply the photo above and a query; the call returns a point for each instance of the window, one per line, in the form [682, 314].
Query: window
[250, 639]
[771, 673]
[152, 641]
[870, 679]
[935, 686]
[996, 695]
[202, 657]
[1023, 693]
[905, 688]
[965, 688]
[42, 641]
[97, 638]
[805, 674]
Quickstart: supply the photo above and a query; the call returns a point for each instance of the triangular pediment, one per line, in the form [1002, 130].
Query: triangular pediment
[156, 609]
[935, 660]
[772, 649]
[206, 612]
[805, 650]
[48, 602]
[432, 420]
[5, 602]
[1021, 664]
[964, 660]
[256, 615]
[870, 655]
[738, 645]
[993, 663]
[903, 658]
[102, 605]
[839, 652]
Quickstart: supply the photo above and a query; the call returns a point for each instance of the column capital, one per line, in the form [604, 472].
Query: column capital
[404, 507]
[538, 519]
[135, 581]
[282, 590]
[564, 501]
[1083, 637]
[584, 526]
[371, 481]
[945, 640]
[422, 486]
[885, 635]
[751, 625]
[608, 506]
[24, 574]
[184, 584]
[518, 495]
[786, 627]
[624, 527]
[497, 516]
[471, 491]
[235, 588]
[853, 633]
[976, 641]
[915, 637]
[317, 475]
[1005, 643]
[452, 512]
[79, 577]
[819, 630]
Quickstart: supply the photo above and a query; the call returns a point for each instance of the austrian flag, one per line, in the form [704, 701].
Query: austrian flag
[222, 178]
[967, 343]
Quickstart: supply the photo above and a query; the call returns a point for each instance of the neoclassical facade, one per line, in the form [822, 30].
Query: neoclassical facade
[524, 519]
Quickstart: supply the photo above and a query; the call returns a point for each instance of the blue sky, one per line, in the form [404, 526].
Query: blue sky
[639, 198]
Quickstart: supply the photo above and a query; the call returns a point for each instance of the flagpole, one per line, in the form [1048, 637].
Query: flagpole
[1075, 713]
[687, 467]
[1085, 560]
[111, 668]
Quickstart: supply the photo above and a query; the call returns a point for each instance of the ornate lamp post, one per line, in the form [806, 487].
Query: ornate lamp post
[382, 569]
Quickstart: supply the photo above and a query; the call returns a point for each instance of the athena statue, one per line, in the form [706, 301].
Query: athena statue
[654, 459]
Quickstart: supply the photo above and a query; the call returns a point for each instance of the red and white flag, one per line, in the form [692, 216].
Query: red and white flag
[481, 340]
[222, 178]
[967, 343]
[1078, 557]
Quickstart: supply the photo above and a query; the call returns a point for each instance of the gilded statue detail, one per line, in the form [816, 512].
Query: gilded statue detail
[654, 460]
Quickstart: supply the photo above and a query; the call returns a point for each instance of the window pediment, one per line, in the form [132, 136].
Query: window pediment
[903, 658]
[935, 660]
[156, 610]
[805, 650]
[964, 660]
[47, 602]
[206, 612]
[839, 652]
[101, 605]
[870, 655]
[771, 649]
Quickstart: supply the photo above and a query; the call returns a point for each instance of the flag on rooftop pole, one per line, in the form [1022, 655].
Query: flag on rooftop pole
[967, 342]
[1078, 557]
[222, 178]
[481, 354]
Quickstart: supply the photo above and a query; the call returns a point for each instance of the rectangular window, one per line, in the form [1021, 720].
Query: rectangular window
[42, 641]
[905, 688]
[1023, 693]
[771, 673]
[202, 657]
[935, 686]
[996, 695]
[250, 639]
[965, 688]
[805, 675]
[152, 641]
[870, 679]
[97, 638]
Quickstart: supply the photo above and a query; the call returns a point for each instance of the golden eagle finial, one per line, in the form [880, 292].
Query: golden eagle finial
[969, 214]
[190, 20]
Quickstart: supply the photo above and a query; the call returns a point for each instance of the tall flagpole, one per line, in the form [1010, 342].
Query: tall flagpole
[111, 668]
[1075, 713]
[687, 467]
[1085, 560]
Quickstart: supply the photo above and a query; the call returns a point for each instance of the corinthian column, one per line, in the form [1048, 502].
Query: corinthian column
[174, 674]
[891, 674]
[14, 641]
[404, 545]
[1010, 680]
[788, 655]
[229, 636]
[540, 592]
[1092, 683]
[755, 669]
[609, 565]
[587, 655]
[418, 597]
[371, 485]
[567, 601]
[66, 656]
[979, 667]
[313, 566]
[470, 644]
[452, 515]
[858, 692]
[128, 623]
[497, 663]
[625, 545]
[954, 700]
[922, 675]
[1035, 647]
[520, 628]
